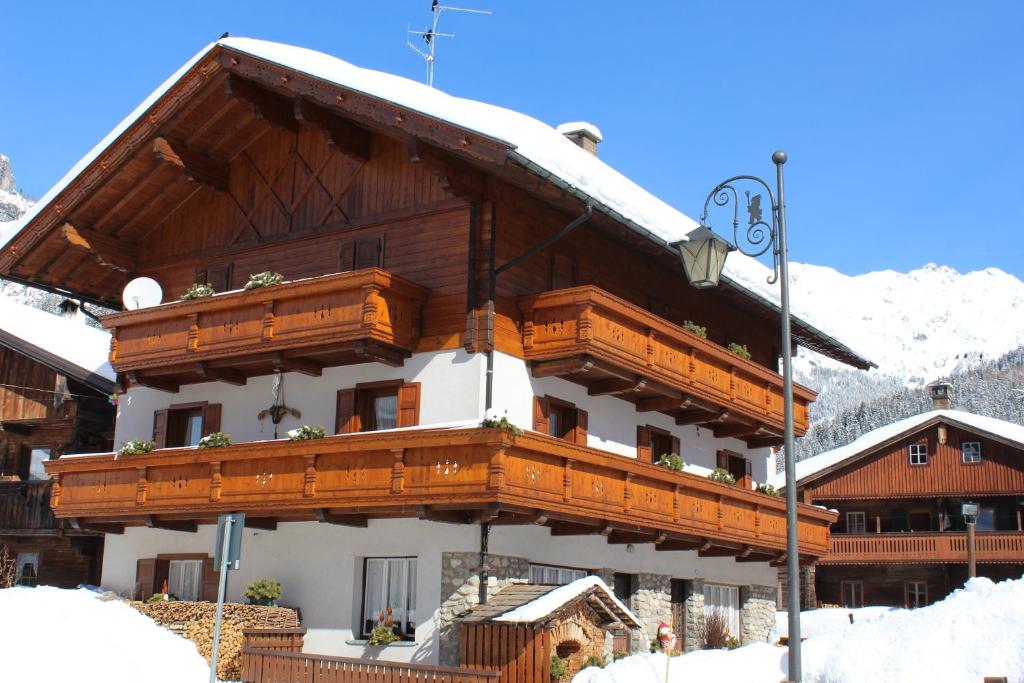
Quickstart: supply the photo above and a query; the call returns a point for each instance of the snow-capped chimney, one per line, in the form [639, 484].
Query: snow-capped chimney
[71, 310]
[584, 134]
[942, 395]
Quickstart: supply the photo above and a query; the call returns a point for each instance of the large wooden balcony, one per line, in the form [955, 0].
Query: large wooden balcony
[463, 475]
[917, 548]
[589, 336]
[305, 325]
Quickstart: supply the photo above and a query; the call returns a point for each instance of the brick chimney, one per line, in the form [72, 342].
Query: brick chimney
[584, 134]
[942, 395]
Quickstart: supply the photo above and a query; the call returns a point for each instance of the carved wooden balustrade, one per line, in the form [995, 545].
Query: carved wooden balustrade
[590, 336]
[462, 475]
[303, 326]
[918, 547]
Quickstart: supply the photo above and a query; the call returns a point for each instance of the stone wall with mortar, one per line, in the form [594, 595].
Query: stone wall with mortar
[694, 638]
[757, 613]
[652, 604]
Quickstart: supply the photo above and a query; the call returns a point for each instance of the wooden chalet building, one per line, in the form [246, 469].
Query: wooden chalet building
[444, 260]
[900, 539]
[55, 387]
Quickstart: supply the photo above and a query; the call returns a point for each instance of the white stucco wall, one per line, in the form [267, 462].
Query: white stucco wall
[612, 421]
[451, 390]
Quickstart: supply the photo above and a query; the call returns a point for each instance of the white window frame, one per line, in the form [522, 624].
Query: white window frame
[185, 579]
[554, 575]
[395, 579]
[23, 560]
[725, 599]
[972, 448]
[918, 453]
[850, 516]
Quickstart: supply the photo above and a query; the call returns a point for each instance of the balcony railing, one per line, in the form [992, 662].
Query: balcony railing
[590, 336]
[303, 325]
[456, 475]
[25, 506]
[917, 547]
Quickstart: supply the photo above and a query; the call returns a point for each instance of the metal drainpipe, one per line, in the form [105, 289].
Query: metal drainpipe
[485, 538]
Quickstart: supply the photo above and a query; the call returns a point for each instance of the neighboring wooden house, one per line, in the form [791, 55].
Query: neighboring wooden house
[900, 538]
[55, 387]
[423, 293]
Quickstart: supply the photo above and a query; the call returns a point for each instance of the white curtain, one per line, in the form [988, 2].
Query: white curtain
[555, 576]
[390, 582]
[385, 410]
[725, 600]
[185, 579]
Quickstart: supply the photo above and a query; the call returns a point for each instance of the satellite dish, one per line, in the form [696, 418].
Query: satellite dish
[142, 292]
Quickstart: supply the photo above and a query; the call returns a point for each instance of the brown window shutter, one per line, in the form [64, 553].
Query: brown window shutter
[723, 460]
[346, 255]
[145, 575]
[210, 580]
[409, 405]
[160, 428]
[676, 448]
[748, 474]
[211, 418]
[643, 444]
[540, 414]
[580, 434]
[369, 252]
[346, 420]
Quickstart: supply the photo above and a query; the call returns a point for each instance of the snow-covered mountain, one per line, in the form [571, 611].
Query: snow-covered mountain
[12, 202]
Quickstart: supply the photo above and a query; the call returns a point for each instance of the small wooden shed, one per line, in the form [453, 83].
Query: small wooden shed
[522, 625]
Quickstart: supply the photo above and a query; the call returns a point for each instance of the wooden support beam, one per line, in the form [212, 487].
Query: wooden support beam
[196, 167]
[765, 441]
[265, 523]
[305, 366]
[614, 387]
[264, 104]
[102, 527]
[690, 417]
[106, 251]
[740, 429]
[327, 517]
[347, 138]
[225, 375]
[779, 561]
[430, 514]
[187, 525]
[167, 385]
[668, 403]
[722, 416]
[562, 366]
[372, 351]
[576, 529]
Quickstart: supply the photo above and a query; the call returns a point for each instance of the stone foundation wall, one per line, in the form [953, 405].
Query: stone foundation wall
[757, 613]
[694, 639]
[460, 590]
[652, 604]
[808, 588]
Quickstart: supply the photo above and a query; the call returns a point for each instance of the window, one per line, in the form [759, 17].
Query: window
[560, 419]
[185, 579]
[37, 456]
[915, 594]
[218, 277]
[27, 571]
[738, 466]
[378, 405]
[185, 424]
[624, 587]
[856, 523]
[361, 252]
[970, 451]
[986, 519]
[390, 583]
[726, 601]
[853, 593]
[918, 453]
[551, 575]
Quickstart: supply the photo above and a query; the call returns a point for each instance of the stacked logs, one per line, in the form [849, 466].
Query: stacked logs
[195, 621]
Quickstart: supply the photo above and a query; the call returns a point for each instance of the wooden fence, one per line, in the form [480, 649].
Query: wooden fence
[267, 666]
[519, 653]
[274, 639]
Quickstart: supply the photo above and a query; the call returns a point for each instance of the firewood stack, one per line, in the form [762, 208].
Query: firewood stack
[229, 660]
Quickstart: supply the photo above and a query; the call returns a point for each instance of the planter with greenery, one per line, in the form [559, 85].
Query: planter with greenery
[501, 423]
[740, 350]
[265, 279]
[722, 476]
[696, 329]
[198, 291]
[769, 490]
[215, 440]
[307, 433]
[263, 592]
[558, 668]
[136, 447]
[672, 461]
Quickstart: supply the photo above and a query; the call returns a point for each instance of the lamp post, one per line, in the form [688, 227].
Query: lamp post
[969, 511]
[703, 254]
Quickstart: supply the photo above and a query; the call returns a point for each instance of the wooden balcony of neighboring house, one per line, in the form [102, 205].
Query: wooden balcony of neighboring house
[589, 336]
[923, 547]
[303, 326]
[457, 475]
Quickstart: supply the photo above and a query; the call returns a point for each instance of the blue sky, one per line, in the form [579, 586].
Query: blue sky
[904, 122]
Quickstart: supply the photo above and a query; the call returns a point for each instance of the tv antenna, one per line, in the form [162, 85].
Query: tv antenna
[431, 35]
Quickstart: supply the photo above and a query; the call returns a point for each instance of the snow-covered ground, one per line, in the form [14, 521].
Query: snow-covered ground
[52, 634]
[975, 632]
[819, 622]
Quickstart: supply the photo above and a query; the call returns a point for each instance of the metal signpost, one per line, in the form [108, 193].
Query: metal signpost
[969, 511]
[227, 553]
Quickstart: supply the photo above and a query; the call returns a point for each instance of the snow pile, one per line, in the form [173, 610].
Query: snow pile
[51, 634]
[819, 622]
[975, 632]
[536, 610]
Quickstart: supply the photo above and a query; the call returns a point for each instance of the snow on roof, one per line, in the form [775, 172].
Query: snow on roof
[580, 127]
[533, 143]
[817, 463]
[535, 610]
[71, 340]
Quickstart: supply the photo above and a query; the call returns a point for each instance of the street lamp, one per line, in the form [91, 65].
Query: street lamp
[969, 511]
[703, 255]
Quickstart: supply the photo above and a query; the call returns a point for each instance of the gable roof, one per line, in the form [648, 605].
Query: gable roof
[528, 603]
[819, 465]
[530, 143]
[69, 347]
